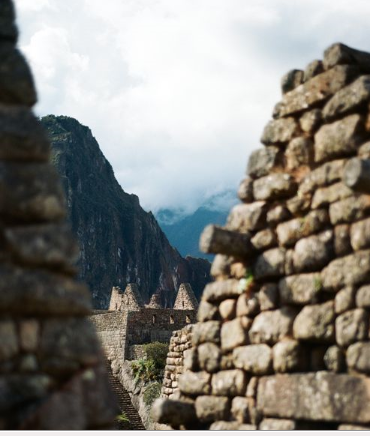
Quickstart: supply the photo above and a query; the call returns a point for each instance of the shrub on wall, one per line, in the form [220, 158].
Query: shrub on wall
[157, 352]
[152, 392]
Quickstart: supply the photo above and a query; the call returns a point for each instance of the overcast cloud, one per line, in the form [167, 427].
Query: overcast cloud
[177, 92]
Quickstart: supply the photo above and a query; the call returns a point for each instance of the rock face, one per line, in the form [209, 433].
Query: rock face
[292, 291]
[120, 243]
[52, 374]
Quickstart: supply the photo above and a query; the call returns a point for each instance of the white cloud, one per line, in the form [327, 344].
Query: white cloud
[177, 92]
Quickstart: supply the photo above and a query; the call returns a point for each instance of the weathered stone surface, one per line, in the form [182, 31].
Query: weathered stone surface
[227, 362]
[221, 265]
[348, 98]
[245, 191]
[235, 333]
[29, 331]
[208, 331]
[334, 359]
[67, 344]
[51, 245]
[9, 340]
[41, 293]
[277, 424]
[270, 264]
[346, 271]
[255, 359]
[209, 356]
[247, 217]
[215, 239]
[342, 240]
[287, 356]
[324, 196]
[315, 323]
[190, 361]
[318, 396]
[338, 54]
[207, 311]
[315, 90]
[313, 69]
[338, 139]
[363, 297]
[351, 326]
[326, 174]
[229, 383]
[274, 187]
[360, 234]
[16, 82]
[358, 357]
[314, 252]
[264, 239]
[289, 265]
[31, 192]
[268, 297]
[172, 412]
[345, 299]
[211, 409]
[219, 291]
[310, 120]
[292, 231]
[227, 309]
[349, 427]
[299, 205]
[21, 135]
[291, 80]
[299, 152]
[8, 30]
[262, 161]
[300, 289]
[271, 326]
[364, 151]
[239, 271]
[247, 305]
[240, 409]
[231, 425]
[277, 131]
[350, 209]
[277, 214]
[195, 383]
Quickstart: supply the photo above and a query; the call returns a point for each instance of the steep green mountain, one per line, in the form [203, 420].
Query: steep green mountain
[120, 243]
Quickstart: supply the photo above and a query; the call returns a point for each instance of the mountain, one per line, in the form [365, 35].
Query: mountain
[120, 243]
[184, 232]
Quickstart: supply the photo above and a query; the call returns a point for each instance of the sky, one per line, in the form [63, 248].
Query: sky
[177, 92]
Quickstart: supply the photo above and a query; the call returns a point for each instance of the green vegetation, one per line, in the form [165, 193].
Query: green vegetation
[246, 283]
[122, 418]
[157, 352]
[151, 368]
[317, 283]
[151, 393]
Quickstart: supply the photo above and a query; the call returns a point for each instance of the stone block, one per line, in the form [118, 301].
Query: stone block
[210, 409]
[280, 131]
[291, 80]
[209, 356]
[195, 383]
[358, 357]
[172, 412]
[310, 121]
[298, 205]
[247, 217]
[360, 234]
[315, 90]
[338, 54]
[247, 305]
[240, 409]
[313, 69]
[315, 323]
[255, 359]
[300, 289]
[9, 344]
[363, 297]
[268, 424]
[345, 299]
[227, 309]
[245, 190]
[314, 252]
[271, 326]
[287, 356]
[324, 175]
[277, 214]
[208, 331]
[324, 196]
[263, 160]
[274, 187]
[207, 311]
[264, 239]
[231, 425]
[338, 139]
[270, 264]
[342, 240]
[299, 152]
[268, 297]
[335, 359]
[235, 333]
[229, 383]
[350, 209]
[352, 326]
[350, 270]
[321, 396]
[218, 291]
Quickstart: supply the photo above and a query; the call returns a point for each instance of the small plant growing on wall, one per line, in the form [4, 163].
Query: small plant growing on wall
[151, 367]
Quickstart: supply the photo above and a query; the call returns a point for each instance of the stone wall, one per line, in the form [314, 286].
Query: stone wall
[179, 349]
[283, 335]
[52, 374]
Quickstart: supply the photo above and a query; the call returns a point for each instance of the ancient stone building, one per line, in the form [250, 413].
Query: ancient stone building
[282, 340]
[52, 375]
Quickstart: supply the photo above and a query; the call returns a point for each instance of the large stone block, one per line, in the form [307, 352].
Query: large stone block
[209, 356]
[310, 121]
[270, 264]
[334, 359]
[240, 409]
[315, 90]
[363, 297]
[342, 240]
[222, 290]
[352, 326]
[173, 412]
[229, 383]
[248, 305]
[358, 357]
[299, 153]
[195, 383]
[279, 131]
[268, 296]
[360, 234]
[324, 196]
[345, 299]
[315, 323]
[246, 217]
[338, 139]
[300, 289]
[291, 80]
[350, 209]
[338, 54]
[324, 175]
[264, 239]
[274, 187]
[320, 396]
[211, 409]
[255, 359]
[287, 356]
[263, 160]
[235, 333]
[208, 331]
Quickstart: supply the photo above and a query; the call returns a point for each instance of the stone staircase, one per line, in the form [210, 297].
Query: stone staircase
[125, 404]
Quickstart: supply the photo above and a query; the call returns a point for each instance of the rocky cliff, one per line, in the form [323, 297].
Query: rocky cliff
[120, 242]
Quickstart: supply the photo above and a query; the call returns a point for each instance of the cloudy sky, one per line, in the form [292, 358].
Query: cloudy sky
[177, 92]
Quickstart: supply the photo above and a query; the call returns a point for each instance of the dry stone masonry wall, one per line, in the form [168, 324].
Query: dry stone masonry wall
[283, 335]
[52, 374]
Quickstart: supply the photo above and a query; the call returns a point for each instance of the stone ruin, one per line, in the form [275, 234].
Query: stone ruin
[282, 340]
[52, 374]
